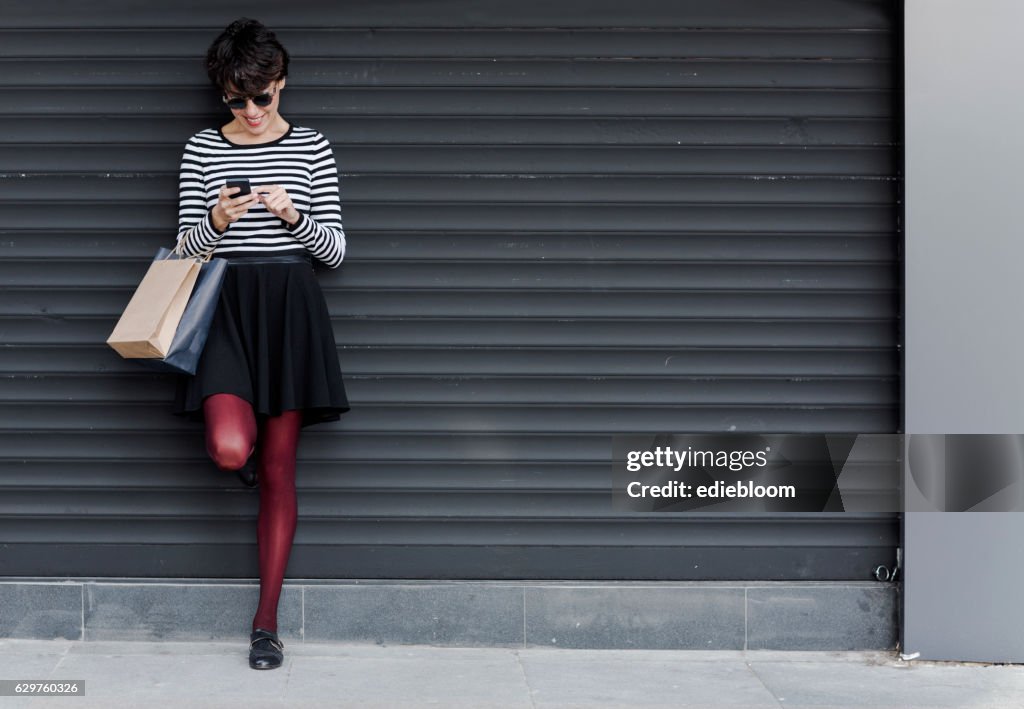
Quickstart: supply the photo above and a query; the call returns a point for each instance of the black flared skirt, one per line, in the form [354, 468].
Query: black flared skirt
[271, 343]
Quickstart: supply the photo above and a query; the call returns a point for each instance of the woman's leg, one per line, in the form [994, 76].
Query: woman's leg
[230, 430]
[278, 513]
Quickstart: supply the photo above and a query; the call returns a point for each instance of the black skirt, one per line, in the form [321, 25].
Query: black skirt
[270, 343]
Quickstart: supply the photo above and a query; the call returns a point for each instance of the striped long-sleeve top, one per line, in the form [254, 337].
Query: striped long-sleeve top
[301, 161]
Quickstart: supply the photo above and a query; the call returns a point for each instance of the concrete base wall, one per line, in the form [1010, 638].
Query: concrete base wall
[643, 615]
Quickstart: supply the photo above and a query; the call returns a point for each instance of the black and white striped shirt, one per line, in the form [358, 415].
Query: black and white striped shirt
[300, 161]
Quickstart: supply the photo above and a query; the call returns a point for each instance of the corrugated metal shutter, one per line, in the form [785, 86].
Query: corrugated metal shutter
[565, 220]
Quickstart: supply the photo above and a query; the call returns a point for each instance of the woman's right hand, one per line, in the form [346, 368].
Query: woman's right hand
[230, 209]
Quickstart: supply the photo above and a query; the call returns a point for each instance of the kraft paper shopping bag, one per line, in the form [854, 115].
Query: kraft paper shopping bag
[149, 321]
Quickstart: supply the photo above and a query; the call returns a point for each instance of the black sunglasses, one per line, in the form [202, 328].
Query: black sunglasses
[239, 102]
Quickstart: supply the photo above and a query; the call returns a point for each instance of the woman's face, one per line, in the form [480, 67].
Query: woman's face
[258, 120]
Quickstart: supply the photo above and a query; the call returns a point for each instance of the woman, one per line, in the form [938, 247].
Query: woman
[270, 366]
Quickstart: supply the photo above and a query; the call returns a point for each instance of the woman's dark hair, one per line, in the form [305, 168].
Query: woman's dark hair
[246, 57]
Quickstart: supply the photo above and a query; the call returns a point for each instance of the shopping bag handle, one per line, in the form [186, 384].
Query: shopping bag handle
[203, 258]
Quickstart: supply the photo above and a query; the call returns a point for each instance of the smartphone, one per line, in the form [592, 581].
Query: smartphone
[243, 183]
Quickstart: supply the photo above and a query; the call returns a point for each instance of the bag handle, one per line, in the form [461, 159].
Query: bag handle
[202, 258]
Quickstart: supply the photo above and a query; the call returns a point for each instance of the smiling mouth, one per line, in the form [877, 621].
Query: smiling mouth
[252, 122]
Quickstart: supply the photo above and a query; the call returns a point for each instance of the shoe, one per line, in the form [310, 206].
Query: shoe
[266, 651]
[247, 473]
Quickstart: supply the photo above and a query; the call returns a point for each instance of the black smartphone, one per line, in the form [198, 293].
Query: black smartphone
[243, 183]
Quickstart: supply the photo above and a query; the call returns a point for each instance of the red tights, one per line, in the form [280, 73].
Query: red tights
[231, 437]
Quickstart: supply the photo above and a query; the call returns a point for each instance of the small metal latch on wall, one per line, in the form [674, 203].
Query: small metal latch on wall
[882, 572]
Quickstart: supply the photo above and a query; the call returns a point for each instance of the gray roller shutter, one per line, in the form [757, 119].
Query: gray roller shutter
[565, 221]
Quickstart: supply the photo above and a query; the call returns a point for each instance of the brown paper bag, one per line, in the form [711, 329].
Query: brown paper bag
[147, 326]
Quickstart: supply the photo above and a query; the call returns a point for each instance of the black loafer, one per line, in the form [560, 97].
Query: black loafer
[266, 651]
[247, 473]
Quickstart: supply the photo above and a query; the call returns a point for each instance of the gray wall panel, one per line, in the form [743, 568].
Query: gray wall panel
[963, 575]
[565, 221]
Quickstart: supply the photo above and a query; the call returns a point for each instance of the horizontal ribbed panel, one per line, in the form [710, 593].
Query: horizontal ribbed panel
[483, 102]
[496, 303]
[507, 73]
[563, 224]
[637, 360]
[494, 189]
[550, 332]
[653, 14]
[500, 245]
[800, 132]
[549, 391]
[493, 159]
[311, 43]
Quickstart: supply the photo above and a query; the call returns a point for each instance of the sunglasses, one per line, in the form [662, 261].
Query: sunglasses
[239, 102]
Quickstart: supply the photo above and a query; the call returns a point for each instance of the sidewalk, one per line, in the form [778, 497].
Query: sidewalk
[207, 674]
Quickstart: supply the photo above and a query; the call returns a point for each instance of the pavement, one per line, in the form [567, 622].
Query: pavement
[217, 674]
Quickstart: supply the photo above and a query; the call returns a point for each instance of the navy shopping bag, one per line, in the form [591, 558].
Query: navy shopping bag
[189, 339]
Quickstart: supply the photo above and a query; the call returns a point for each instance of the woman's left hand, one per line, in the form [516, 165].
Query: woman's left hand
[277, 202]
